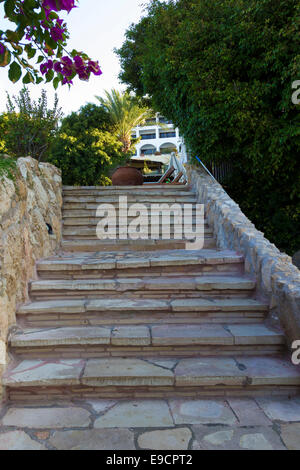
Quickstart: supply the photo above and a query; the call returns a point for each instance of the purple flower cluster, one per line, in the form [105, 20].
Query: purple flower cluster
[58, 5]
[2, 49]
[69, 68]
[46, 66]
[57, 31]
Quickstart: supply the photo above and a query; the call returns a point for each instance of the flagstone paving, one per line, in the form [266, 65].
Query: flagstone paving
[269, 423]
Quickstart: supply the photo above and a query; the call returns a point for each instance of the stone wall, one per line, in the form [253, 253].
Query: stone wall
[278, 280]
[27, 203]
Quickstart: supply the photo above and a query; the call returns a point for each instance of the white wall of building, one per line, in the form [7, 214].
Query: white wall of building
[158, 138]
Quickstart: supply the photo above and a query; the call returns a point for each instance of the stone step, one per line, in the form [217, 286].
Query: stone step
[82, 233]
[131, 198]
[88, 214]
[89, 245]
[146, 340]
[174, 286]
[104, 311]
[30, 379]
[124, 190]
[120, 264]
[121, 221]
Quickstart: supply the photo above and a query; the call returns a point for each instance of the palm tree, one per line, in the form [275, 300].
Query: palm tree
[126, 113]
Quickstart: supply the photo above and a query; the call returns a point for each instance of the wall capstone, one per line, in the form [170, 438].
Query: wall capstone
[278, 280]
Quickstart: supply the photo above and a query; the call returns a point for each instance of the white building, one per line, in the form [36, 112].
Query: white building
[158, 137]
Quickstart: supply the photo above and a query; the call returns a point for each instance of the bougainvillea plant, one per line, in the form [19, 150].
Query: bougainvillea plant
[35, 48]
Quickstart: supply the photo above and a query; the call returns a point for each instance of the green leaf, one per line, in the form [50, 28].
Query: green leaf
[28, 78]
[49, 76]
[5, 58]
[56, 82]
[14, 72]
[12, 35]
[30, 51]
[9, 7]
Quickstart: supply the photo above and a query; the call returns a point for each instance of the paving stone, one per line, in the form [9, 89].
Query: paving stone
[226, 305]
[93, 439]
[119, 371]
[44, 418]
[219, 438]
[133, 263]
[281, 408]
[208, 371]
[168, 439]
[174, 261]
[127, 304]
[73, 285]
[42, 435]
[223, 282]
[248, 412]
[99, 406]
[37, 372]
[129, 284]
[131, 336]
[255, 334]
[18, 440]
[170, 283]
[98, 264]
[270, 370]
[190, 334]
[168, 363]
[136, 414]
[62, 336]
[201, 412]
[53, 306]
[290, 434]
[255, 442]
[235, 438]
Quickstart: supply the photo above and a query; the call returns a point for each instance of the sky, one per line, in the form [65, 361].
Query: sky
[96, 27]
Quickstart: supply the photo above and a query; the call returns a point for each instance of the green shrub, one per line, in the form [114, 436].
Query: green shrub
[222, 71]
[29, 126]
[86, 149]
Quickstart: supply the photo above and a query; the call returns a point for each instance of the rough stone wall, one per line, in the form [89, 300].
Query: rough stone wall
[33, 199]
[278, 280]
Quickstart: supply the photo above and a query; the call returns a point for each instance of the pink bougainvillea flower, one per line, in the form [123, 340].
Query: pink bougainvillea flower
[57, 31]
[81, 68]
[46, 66]
[67, 66]
[58, 5]
[94, 68]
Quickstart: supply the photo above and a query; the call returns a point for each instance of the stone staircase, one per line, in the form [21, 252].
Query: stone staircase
[142, 318]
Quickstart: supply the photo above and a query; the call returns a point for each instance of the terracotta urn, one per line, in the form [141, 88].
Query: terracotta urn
[127, 176]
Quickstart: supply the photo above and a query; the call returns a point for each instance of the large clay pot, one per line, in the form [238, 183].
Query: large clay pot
[127, 176]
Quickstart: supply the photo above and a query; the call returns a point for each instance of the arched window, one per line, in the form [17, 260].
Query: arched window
[148, 150]
[168, 147]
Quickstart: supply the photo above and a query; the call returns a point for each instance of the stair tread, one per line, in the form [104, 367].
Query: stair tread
[138, 305]
[199, 283]
[123, 260]
[149, 335]
[239, 371]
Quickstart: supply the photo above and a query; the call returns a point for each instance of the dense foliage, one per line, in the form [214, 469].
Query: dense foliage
[28, 126]
[40, 34]
[86, 148]
[223, 72]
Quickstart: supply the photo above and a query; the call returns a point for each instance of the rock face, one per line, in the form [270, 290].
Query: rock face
[278, 280]
[27, 204]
